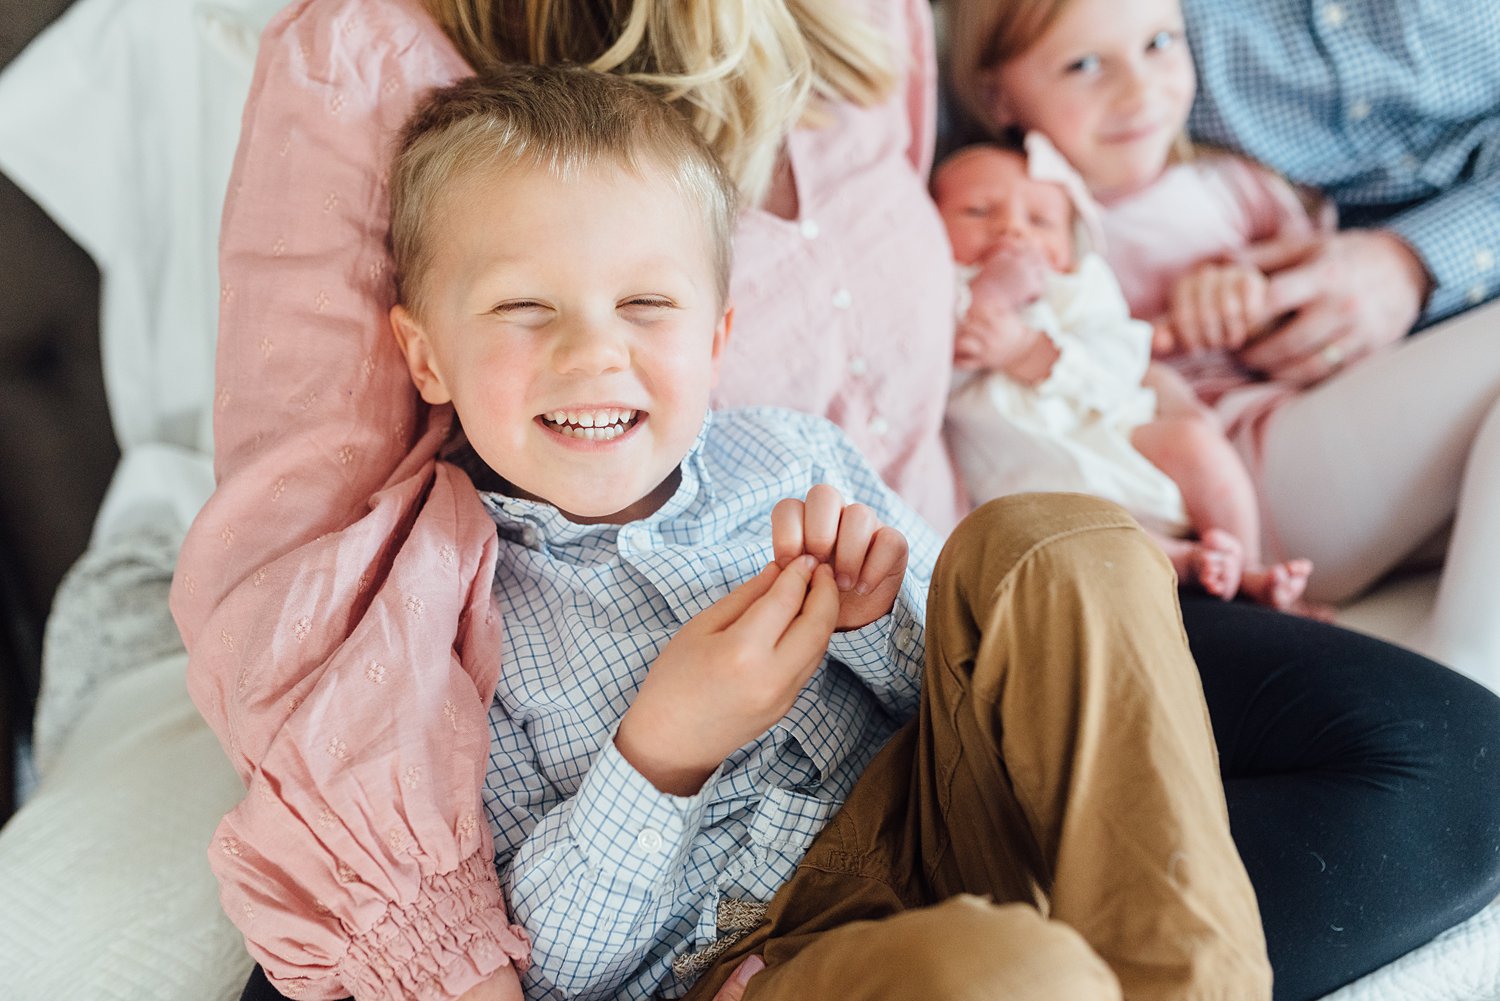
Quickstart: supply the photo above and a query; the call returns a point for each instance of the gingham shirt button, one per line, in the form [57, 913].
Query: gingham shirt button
[1359, 111]
[1333, 14]
[649, 841]
[810, 229]
[1484, 259]
[1476, 294]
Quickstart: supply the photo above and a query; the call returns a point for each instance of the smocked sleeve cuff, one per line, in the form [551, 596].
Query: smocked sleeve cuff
[451, 937]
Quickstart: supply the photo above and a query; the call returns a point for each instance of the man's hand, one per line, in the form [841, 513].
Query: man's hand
[1344, 296]
[868, 558]
[503, 985]
[730, 674]
[1218, 306]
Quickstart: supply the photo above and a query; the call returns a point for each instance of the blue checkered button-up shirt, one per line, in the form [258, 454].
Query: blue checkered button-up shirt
[612, 878]
[1391, 107]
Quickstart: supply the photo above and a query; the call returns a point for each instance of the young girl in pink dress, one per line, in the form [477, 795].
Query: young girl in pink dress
[1343, 476]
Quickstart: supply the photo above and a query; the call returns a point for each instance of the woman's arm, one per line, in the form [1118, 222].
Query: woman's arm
[334, 594]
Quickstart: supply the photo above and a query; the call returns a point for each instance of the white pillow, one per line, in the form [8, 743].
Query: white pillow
[121, 121]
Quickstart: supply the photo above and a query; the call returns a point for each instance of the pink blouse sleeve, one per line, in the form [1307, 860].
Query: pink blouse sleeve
[921, 86]
[334, 594]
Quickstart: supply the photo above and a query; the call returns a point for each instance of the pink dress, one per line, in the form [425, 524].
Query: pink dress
[1211, 208]
[334, 594]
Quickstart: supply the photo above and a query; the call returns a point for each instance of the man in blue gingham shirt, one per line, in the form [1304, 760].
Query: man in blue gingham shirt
[1391, 107]
[613, 879]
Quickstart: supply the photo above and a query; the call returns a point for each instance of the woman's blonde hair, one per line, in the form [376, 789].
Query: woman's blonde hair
[744, 72]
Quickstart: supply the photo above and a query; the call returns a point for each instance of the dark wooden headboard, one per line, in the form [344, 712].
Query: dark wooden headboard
[57, 449]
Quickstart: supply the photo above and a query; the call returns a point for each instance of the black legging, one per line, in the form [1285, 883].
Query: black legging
[1363, 784]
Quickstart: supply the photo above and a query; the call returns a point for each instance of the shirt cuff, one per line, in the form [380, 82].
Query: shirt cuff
[869, 648]
[628, 829]
[1458, 239]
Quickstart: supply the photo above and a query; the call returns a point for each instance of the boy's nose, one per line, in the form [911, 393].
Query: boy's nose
[589, 346]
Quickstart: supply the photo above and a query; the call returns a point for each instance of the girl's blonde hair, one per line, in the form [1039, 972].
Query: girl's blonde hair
[986, 34]
[744, 72]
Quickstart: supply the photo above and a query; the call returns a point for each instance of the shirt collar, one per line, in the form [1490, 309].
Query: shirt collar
[539, 525]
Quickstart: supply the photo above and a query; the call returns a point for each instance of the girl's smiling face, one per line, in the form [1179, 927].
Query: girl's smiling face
[1110, 84]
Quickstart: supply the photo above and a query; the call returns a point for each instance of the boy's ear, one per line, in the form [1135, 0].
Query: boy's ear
[721, 339]
[420, 361]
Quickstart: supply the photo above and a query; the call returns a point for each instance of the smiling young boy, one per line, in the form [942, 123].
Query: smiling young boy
[711, 628]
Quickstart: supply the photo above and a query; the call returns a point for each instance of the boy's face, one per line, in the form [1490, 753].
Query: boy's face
[987, 199]
[576, 327]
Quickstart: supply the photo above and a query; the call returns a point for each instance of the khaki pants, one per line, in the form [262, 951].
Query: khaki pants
[1052, 824]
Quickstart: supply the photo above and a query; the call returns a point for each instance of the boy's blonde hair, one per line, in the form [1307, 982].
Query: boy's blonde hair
[558, 119]
[742, 71]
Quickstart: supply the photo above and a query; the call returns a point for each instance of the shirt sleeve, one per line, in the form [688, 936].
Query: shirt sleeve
[921, 85]
[584, 878]
[1457, 236]
[334, 594]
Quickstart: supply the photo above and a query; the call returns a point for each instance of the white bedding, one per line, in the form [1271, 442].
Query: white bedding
[121, 121]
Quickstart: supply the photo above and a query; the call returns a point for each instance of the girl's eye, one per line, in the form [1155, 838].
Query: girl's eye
[1087, 65]
[1162, 40]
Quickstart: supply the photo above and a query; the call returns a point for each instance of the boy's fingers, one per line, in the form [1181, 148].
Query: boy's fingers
[727, 610]
[767, 618]
[857, 524]
[820, 520]
[786, 531]
[806, 640]
[886, 557]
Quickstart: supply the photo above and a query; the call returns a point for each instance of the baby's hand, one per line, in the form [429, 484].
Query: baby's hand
[868, 558]
[1218, 306]
[1014, 275]
[729, 674]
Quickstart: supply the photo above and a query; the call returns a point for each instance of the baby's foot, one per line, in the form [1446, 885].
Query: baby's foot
[1217, 563]
[1280, 586]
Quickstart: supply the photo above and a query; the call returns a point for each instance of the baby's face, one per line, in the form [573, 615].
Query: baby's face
[576, 326]
[987, 199]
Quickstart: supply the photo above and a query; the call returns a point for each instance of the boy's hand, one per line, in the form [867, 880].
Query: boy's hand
[729, 675]
[868, 558]
[1218, 306]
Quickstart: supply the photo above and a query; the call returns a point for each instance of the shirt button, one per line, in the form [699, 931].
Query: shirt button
[1484, 259]
[842, 299]
[858, 365]
[878, 426]
[649, 841]
[1333, 14]
[810, 229]
[1359, 111]
[529, 536]
[1476, 294]
[1410, 164]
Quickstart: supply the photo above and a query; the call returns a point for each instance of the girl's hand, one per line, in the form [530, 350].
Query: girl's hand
[868, 558]
[729, 674]
[1218, 306]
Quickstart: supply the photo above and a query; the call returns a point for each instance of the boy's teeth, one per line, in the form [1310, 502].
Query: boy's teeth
[592, 425]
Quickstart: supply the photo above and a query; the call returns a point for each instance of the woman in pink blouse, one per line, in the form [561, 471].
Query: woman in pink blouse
[334, 594]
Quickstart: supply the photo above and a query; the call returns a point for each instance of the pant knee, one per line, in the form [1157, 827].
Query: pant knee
[1069, 530]
[968, 948]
